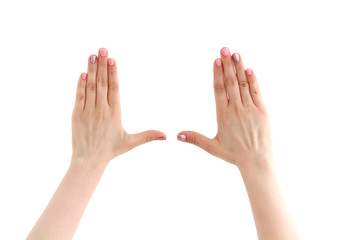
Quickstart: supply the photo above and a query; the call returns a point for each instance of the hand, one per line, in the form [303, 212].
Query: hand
[243, 136]
[97, 132]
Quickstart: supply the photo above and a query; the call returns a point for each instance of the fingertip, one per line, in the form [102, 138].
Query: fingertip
[225, 51]
[181, 137]
[82, 80]
[83, 76]
[249, 72]
[93, 59]
[218, 62]
[103, 52]
[236, 57]
[161, 136]
[111, 62]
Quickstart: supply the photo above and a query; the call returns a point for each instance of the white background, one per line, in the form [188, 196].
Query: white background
[306, 57]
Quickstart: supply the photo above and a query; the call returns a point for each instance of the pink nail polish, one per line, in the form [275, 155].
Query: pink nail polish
[218, 62]
[225, 51]
[103, 52]
[236, 57]
[83, 76]
[182, 138]
[111, 61]
[249, 71]
[93, 59]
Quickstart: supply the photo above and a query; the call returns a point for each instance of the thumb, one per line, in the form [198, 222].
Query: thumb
[144, 137]
[197, 139]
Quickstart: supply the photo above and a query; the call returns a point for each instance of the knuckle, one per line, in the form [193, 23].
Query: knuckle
[114, 87]
[254, 92]
[91, 86]
[192, 139]
[243, 84]
[102, 81]
[80, 97]
[149, 139]
[231, 81]
[219, 88]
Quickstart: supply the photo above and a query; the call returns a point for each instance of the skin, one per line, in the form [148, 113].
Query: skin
[244, 139]
[97, 137]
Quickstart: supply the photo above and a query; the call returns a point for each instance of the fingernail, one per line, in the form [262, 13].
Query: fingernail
[225, 51]
[218, 62]
[161, 138]
[111, 61]
[236, 57]
[103, 52]
[249, 71]
[181, 137]
[83, 76]
[93, 59]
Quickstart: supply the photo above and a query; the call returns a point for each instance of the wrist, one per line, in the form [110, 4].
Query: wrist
[92, 164]
[255, 166]
[259, 177]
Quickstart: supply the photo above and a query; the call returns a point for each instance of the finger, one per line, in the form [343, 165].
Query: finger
[231, 82]
[219, 87]
[80, 93]
[102, 79]
[91, 83]
[243, 82]
[254, 88]
[113, 91]
[197, 139]
[144, 137]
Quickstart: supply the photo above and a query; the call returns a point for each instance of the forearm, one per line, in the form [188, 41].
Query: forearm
[271, 215]
[62, 215]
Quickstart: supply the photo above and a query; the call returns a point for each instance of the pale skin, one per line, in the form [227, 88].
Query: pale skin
[97, 137]
[243, 139]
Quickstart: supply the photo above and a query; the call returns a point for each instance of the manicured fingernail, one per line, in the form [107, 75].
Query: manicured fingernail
[161, 138]
[111, 61]
[236, 57]
[181, 137]
[249, 71]
[93, 59]
[225, 51]
[103, 52]
[83, 76]
[218, 62]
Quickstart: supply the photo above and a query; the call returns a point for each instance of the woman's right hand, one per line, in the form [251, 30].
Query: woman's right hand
[243, 136]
